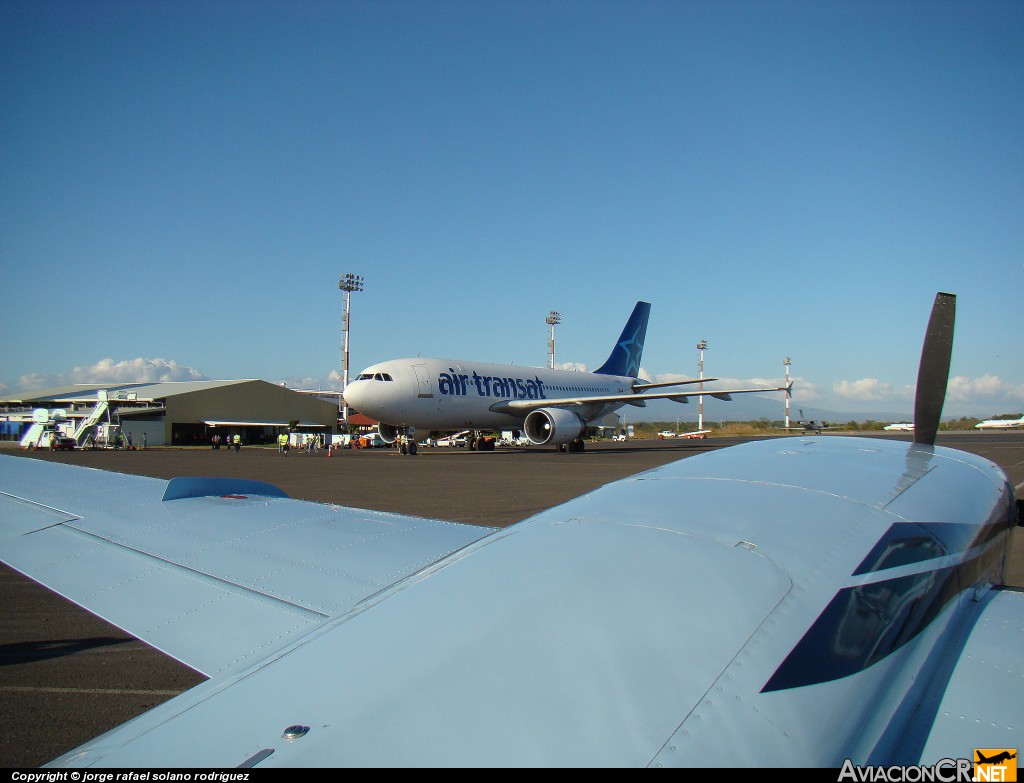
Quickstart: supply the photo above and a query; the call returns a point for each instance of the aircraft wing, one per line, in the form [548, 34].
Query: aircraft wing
[525, 406]
[981, 687]
[214, 572]
[641, 386]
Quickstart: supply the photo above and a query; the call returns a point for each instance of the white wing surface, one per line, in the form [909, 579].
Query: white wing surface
[216, 573]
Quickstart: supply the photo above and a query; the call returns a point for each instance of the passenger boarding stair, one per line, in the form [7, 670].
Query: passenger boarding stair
[102, 406]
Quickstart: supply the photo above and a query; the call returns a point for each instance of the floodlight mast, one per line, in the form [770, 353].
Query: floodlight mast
[701, 347]
[786, 363]
[347, 283]
[554, 318]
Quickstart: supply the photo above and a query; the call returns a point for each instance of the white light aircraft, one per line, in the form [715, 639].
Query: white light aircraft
[819, 602]
[1000, 424]
[552, 407]
[900, 426]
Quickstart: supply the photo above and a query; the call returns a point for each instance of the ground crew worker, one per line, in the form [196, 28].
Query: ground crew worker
[238, 442]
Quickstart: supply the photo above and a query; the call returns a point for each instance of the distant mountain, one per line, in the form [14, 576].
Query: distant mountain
[749, 407]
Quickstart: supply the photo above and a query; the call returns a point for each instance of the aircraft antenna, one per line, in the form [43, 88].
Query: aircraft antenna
[933, 373]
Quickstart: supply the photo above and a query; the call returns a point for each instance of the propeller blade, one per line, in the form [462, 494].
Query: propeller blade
[933, 374]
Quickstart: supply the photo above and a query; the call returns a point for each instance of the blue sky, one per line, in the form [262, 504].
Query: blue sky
[183, 183]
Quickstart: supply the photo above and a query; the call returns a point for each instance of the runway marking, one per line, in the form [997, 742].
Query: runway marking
[88, 691]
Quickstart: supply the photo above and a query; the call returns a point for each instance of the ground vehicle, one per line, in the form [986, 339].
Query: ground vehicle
[452, 440]
[511, 438]
[61, 442]
[43, 436]
[371, 440]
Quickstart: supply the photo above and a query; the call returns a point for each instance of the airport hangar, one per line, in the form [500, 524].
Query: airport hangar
[180, 413]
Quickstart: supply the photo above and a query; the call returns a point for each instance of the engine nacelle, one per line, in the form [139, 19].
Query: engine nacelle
[389, 433]
[552, 426]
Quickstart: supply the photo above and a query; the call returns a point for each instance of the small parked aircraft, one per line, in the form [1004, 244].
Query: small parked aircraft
[1000, 424]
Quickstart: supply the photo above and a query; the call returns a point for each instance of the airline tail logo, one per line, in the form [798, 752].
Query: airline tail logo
[625, 356]
[995, 764]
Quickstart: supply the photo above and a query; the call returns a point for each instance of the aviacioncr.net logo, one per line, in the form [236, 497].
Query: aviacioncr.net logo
[942, 771]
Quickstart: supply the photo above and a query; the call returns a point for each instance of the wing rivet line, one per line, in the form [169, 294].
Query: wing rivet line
[252, 761]
[294, 732]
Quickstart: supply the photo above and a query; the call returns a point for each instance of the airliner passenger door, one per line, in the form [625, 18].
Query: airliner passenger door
[423, 379]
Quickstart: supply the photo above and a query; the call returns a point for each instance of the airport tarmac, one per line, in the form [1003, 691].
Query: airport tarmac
[66, 676]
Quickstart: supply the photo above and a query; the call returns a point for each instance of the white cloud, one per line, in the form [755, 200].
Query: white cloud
[988, 390]
[333, 382]
[864, 389]
[108, 371]
[577, 366]
[962, 388]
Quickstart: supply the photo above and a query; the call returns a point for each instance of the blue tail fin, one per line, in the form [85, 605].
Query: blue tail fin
[625, 356]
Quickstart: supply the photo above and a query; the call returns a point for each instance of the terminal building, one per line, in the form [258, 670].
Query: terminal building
[182, 413]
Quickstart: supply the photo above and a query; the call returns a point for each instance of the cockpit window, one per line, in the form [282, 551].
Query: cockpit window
[370, 376]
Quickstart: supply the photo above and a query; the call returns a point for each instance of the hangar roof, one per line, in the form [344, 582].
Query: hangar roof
[144, 392]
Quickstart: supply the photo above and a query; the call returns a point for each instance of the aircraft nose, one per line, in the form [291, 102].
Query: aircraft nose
[355, 394]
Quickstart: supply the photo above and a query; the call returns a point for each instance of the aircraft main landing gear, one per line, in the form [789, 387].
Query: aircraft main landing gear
[478, 442]
[572, 447]
[407, 443]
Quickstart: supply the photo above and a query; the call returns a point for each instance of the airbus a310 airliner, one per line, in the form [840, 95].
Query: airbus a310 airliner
[552, 407]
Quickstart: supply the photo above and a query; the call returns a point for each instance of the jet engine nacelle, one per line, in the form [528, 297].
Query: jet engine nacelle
[552, 426]
[389, 433]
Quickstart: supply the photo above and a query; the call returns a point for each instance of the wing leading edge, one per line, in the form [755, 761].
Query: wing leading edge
[212, 580]
[525, 406]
